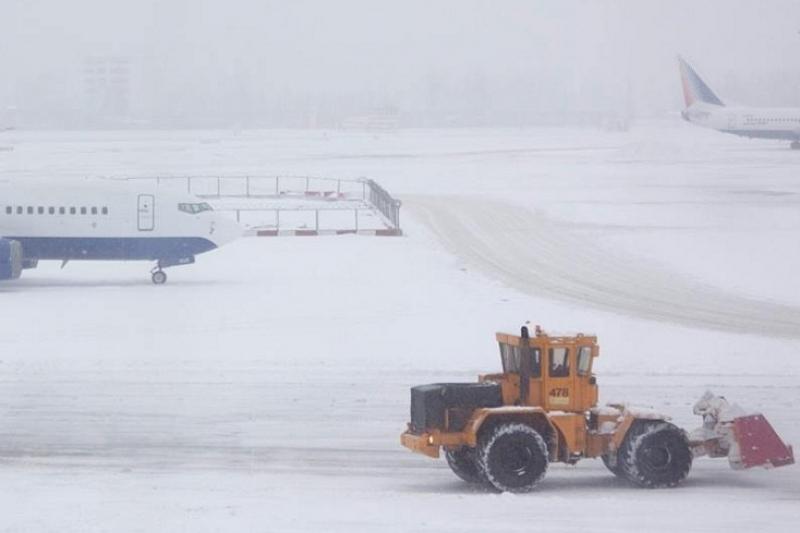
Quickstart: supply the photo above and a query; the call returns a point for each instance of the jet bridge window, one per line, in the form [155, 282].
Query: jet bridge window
[559, 362]
[194, 208]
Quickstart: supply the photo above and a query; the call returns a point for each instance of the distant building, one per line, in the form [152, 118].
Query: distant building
[383, 118]
[8, 118]
[107, 88]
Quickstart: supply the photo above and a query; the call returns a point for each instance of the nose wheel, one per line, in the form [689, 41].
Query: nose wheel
[158, 276]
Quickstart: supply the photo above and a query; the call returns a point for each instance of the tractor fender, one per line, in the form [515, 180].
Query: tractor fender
[533, 416]
[629, 416]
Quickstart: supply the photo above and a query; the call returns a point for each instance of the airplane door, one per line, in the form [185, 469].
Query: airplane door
[147, 212]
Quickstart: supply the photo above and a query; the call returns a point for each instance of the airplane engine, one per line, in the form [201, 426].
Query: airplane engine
[10, 259]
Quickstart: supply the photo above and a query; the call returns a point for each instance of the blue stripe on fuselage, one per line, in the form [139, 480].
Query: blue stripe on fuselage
[112, 248]
[765, 134]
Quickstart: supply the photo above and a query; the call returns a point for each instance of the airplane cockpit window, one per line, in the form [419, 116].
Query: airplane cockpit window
[195, 208]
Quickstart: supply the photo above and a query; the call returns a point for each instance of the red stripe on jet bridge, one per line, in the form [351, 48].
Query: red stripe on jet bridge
[315, 233]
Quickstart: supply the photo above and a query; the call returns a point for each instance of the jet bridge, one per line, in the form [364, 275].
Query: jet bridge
[284, 205]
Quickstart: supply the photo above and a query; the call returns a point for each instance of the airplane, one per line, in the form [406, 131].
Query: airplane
[105, 219]
[704, 108]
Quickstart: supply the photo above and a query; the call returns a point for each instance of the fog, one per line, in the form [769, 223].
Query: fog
[303, 63]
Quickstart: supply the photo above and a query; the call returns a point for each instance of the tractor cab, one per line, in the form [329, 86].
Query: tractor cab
[552, 372]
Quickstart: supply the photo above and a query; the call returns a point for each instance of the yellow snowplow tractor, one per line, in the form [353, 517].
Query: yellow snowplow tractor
[505, 429]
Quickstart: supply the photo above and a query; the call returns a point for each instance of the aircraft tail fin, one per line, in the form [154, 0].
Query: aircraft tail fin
[694, 88]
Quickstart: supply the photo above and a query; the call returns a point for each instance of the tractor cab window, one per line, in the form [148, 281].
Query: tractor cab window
[584, 360]
[194, 208]
[559, 362]
[511, 357]
[536, 363]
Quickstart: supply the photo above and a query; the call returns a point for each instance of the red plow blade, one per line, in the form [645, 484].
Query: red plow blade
[759, 445]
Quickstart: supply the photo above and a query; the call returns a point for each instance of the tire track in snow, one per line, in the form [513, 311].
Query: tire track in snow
[530, 253]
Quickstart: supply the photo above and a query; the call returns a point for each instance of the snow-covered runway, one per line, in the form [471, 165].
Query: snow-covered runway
[265, 387]
[525, 250]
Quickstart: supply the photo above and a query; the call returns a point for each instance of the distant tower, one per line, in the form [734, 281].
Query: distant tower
[107, 81]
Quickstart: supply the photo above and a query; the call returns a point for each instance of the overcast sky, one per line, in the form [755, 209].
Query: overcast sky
[212, 62]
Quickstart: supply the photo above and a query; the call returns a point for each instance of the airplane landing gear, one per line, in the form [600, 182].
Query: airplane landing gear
[158, 276]
[795, 145]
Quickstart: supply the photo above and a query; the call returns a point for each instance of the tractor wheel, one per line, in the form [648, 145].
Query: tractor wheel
[616, 468]
[655, 455]
[512, 457]
[463, 464]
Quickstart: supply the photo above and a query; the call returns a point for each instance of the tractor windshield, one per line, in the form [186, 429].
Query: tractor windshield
[510, 356]
[559, 362]
[584, 360]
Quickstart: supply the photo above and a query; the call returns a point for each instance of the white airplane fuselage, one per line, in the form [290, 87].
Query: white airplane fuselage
[763, 123]
[108, 220]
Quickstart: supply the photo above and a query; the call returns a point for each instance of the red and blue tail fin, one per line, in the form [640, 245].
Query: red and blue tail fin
[695, 89]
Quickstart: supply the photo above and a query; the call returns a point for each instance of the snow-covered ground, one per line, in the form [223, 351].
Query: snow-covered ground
[265, 387]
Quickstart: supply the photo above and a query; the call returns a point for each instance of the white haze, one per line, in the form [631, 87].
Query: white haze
[300, 63]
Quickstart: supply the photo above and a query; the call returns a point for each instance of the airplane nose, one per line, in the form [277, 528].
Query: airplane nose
[223, 230]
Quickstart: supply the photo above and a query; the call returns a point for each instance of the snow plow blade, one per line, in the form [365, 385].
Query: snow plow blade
[747, 440]
[759, 444]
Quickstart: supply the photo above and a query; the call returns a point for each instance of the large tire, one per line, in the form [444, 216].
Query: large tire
[615, 468]
[655, 455]
[463, 463]
[512, 457]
